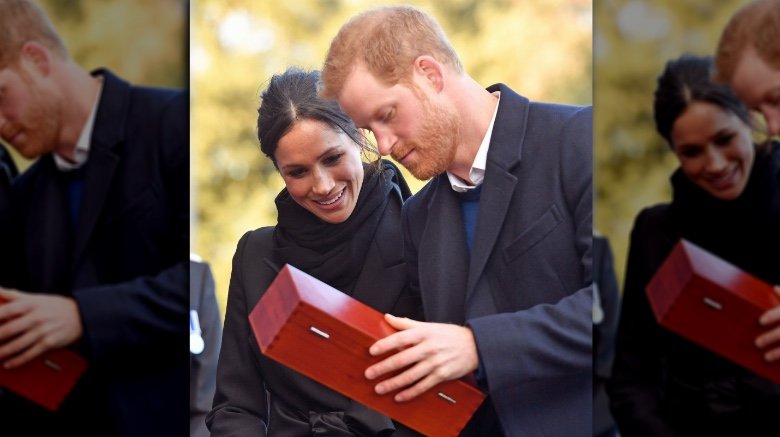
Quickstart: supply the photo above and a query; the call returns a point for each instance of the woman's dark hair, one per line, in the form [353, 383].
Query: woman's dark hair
[292, 96]
[686, 80]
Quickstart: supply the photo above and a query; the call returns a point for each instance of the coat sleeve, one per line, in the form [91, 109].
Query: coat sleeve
[150, 312]
[635, 385]
[240, 403]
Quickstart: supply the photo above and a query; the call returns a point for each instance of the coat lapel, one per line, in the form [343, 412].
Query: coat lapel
[103, 158]
[499, 186]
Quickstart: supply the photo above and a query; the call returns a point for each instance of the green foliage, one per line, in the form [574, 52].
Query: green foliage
[238, 45]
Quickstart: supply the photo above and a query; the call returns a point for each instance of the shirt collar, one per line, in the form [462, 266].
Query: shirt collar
[81, 153]
[477, 171]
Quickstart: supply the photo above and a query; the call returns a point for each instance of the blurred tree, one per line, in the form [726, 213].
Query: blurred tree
[633, 40]
[238, 45]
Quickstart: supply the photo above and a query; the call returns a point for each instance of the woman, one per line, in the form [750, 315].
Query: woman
[726, 200]
[339, 220]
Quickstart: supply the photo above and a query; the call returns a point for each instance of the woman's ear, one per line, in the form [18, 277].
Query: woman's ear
[430, 72]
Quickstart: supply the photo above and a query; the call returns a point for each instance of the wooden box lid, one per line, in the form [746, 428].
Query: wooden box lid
[324, 334]
[713, 303]
[46, 380]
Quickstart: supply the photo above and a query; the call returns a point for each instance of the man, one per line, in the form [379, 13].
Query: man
[498, 242]
[96, 257]
[205, 343]
[748, 58]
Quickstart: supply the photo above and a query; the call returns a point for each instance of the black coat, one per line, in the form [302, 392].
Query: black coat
[662, 384]
[124, 262]
[257, 396]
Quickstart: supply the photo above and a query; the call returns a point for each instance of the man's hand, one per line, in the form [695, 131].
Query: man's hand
[772, 336]
[436, 352]
[31, 324]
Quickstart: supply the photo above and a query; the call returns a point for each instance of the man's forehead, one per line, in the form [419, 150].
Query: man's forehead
[360, 93]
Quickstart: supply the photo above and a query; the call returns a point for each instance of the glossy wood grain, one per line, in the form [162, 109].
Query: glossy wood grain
[324, 334]
[714, 304]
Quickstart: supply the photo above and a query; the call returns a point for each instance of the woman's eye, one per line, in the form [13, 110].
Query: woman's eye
[296, 173]
[333, 159]
[724, 140]
[690, 152]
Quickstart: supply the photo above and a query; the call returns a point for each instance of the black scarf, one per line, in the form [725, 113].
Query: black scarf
[334, 253]
[744, 231]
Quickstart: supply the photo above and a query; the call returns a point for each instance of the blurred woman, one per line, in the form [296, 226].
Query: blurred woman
[338, 220]
[726, 199]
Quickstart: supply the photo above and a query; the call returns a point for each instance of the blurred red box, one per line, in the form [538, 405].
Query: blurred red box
[715, 304]
[46, 380]
[324, 334]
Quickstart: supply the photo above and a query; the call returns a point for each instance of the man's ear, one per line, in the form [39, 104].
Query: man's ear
[37, 56]
[430, 71]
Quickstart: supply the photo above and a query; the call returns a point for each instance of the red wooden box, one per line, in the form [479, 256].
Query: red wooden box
[47, 379]
[324, 334]
[713, 303]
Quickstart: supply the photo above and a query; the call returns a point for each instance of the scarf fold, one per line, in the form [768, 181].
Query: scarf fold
[334, 253]
[727, 228]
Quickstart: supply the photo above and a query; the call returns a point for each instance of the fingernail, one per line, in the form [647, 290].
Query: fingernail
[399, 398]
[380, 389]
[369, 374]
[373, 350]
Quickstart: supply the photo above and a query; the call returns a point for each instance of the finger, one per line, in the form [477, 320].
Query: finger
[770, 317]
[401, 323]
[14, 327]
[395, 362]
[404, 379]
[421, 387]
[18, 345]
[773, 355]
[777, 289]
[28, 355]
[397, 341]
[768, 338]
[9, 294]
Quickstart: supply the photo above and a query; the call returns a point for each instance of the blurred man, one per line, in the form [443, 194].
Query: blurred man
[95, 258]
[498, 243]
[748, 58]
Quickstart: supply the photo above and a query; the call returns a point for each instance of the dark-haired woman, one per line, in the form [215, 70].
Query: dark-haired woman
[727, 200]
[338, 220]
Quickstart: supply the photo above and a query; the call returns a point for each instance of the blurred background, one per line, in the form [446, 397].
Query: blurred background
[142, 41]
[632, 41]
[542, 49]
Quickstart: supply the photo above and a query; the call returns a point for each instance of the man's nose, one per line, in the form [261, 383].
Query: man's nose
[772, 117]
[385, 142]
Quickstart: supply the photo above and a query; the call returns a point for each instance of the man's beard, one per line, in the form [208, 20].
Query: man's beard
[436, 144]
